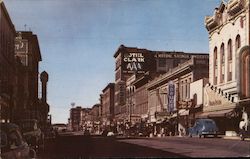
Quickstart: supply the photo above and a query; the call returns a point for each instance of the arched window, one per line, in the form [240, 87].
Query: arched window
[229, 67]
[222, 66]
[229, 49]
[215, 66]
[237, 42]
[245, 74]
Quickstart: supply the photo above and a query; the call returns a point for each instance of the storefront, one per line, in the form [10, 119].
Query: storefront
[225, 112]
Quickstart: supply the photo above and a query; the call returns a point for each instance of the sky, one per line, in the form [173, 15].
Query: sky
[78, 39]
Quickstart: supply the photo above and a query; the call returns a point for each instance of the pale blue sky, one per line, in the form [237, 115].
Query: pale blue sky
[78, 39]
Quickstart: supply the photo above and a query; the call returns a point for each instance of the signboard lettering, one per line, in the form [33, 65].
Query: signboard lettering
[171, 96]
[134, 62]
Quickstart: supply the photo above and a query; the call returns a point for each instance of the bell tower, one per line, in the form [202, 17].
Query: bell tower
[44, 77]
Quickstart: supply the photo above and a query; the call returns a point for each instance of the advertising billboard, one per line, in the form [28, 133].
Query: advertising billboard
[134, 62]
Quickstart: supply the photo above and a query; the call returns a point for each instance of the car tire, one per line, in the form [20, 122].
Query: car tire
[200, 135]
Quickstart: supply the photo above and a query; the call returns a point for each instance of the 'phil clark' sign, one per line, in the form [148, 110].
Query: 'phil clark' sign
[134, 62]
[171, 96]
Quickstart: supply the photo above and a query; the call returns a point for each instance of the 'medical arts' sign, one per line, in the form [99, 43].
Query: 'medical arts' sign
[171, 96]
[134, 62]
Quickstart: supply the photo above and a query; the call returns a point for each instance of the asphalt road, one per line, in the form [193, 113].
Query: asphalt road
[197, 147]
[77, 147]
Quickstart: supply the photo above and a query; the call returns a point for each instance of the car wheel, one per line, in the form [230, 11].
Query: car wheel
[200, 135]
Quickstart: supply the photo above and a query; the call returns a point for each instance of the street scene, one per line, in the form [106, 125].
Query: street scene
[124, 79]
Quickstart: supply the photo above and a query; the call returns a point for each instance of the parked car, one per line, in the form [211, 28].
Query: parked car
[13, 144]
[32, 133]
[203, 127]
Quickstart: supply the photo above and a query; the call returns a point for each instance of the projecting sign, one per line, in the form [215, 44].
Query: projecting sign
[171, 96]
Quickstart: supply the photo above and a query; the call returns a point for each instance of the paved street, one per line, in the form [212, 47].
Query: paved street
[69, 147]
[82, 147]
[196, 147]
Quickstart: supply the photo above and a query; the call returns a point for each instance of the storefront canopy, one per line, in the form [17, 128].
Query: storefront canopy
[220, 113]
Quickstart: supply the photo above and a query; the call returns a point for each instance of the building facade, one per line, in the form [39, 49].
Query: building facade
[132, 61]
[28, 51]
[169, 96]
[7, 64]
[107, 105]
[76, 118]
[229, 68]
[128, 60]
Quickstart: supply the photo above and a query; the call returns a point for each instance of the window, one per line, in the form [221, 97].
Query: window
[237, 42]
[229, 67]
[229, 48]
[215, 65]
[222, 71]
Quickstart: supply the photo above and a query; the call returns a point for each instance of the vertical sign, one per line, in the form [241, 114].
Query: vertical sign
[171, 96]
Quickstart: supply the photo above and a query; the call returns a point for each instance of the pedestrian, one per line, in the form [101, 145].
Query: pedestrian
[242, 126]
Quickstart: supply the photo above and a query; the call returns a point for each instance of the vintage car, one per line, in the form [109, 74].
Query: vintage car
[203, 127]
[12, 143]
[32, 133]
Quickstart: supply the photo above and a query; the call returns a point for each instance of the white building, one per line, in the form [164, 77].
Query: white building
[229, 54]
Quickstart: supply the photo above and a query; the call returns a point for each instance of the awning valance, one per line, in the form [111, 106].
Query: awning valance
[219, 113]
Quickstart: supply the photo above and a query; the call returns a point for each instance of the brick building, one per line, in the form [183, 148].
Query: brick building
[28, 51]
[169, 95]
[7, 64]
[133, 64]
[107, 111]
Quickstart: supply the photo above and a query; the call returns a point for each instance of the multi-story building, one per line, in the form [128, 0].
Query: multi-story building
[132, 60]
[229, 68]
[128, 61]
[7, 64]
[28, 51]
[140, 91]
[95, 119]
[76, 118]
[107, 105]
[169, 95]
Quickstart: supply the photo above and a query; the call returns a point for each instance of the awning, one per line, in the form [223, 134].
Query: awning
[220, 113]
